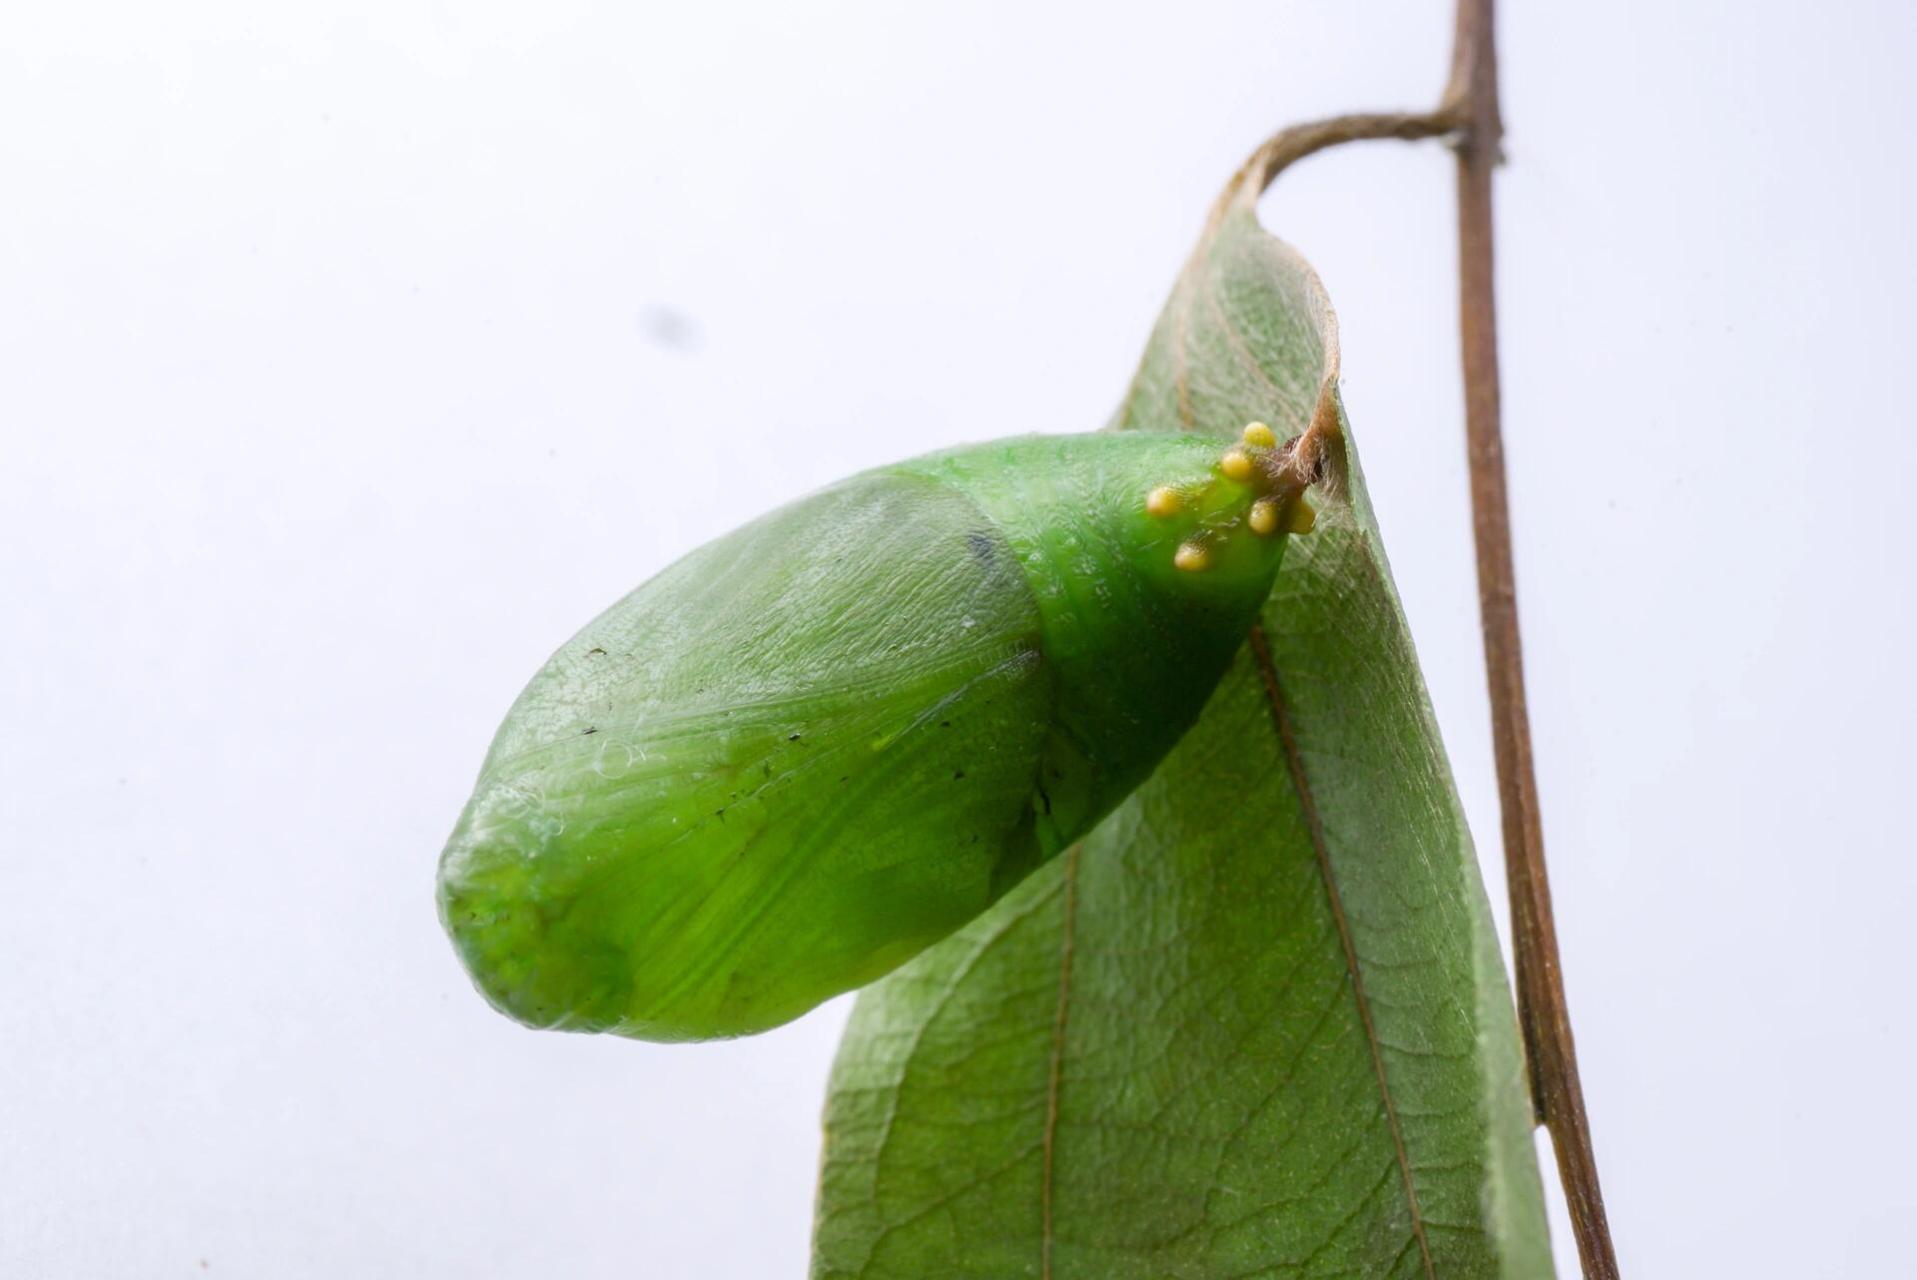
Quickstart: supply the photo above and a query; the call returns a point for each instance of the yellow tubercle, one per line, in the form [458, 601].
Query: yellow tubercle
[1300, 518]
[1260, 436]
[1236, 464]
[1192, 557]
[1264, 517]
[1163, 501]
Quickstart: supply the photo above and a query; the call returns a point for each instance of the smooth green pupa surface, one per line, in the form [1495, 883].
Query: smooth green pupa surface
[822, 742]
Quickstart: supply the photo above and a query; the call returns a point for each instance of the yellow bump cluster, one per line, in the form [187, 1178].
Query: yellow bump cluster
[1270, 514]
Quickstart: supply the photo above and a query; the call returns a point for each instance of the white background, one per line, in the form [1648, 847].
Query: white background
[352, 356]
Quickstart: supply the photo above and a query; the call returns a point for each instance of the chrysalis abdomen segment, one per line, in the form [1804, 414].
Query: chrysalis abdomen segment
[824, 741]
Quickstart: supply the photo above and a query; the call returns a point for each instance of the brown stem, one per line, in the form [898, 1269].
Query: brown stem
[1288, 146]
[1557, 1097]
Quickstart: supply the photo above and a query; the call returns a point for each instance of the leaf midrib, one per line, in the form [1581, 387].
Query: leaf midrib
[1295, 765]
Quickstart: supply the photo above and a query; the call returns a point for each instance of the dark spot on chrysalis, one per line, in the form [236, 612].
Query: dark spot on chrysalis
[792, 737]
[958, 775]
[595, 652]
[981, 547]
[584, 732]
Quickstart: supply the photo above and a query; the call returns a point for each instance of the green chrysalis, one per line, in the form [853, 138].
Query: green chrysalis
[819, 744]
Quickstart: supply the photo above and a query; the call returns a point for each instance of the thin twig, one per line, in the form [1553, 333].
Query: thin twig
[1290, 145]
[1543, 1013]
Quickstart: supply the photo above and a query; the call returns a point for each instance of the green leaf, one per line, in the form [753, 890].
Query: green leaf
[1257, 1024]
